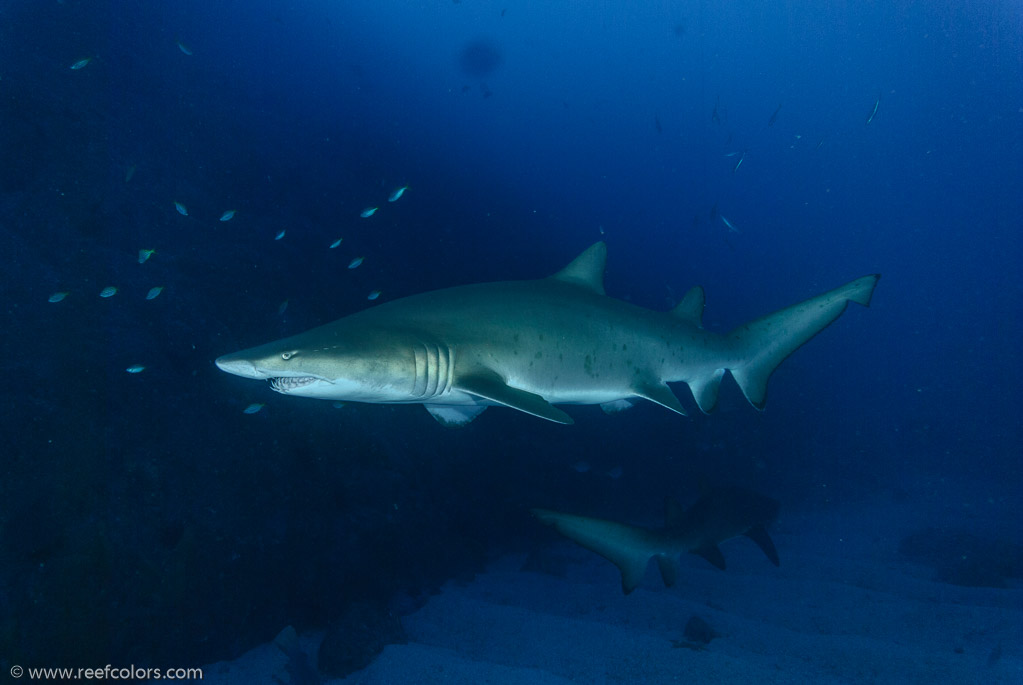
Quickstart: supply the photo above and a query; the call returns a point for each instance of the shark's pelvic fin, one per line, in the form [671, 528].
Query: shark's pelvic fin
[770, 339]
[587, 269]
[488, 385]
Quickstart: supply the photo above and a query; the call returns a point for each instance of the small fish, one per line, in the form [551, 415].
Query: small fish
[130, 173]
[282, 308]
[182, 209]
[81, 64]
[154, 292]
[739, 163]
[145, 255]
[714, 115]
[253, 408]
[774, 117]
[615, 472]
[338, 405]
[136, 368]
[373, 295]
[819, 143]
[280, 235]
[877, 103]
[581, 466]
[396, 195]
[108, 291]
[228, 215]
[368, 212]
[57, 297]
[726, 222]
[354, 264]
[184, 48]
[336, 243]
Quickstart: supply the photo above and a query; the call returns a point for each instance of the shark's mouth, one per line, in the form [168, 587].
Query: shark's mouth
[287, 384]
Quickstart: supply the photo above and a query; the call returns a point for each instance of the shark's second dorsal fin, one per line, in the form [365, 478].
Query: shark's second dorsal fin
[690, 307]
[587, 269]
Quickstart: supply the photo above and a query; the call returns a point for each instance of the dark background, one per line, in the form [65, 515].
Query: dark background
[146, 517]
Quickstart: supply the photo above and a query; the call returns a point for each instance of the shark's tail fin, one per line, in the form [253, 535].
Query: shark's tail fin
[770, 339]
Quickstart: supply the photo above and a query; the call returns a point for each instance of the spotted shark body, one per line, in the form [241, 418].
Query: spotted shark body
[531, 345]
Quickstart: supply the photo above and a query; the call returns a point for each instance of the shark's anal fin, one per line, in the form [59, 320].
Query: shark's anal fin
[712, 553]
[488, 385]
[668, 567]
[758, 534]
[661, 394]
[455, 416]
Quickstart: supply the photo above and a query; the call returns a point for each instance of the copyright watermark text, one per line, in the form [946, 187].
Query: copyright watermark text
[107, 672]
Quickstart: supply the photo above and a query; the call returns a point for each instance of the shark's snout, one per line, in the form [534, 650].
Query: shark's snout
[239, 367]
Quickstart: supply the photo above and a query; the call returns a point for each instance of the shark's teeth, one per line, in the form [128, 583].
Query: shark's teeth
[285, 385]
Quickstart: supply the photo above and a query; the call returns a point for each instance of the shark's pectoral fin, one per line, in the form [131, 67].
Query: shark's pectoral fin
[758, 534]
[661, 394]
[712, 553]
[669, 568]
[489, 386]
[454, 416]
[623, 545]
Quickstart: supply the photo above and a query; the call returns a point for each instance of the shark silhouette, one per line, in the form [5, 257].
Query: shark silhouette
[530, 345]
[720, 514]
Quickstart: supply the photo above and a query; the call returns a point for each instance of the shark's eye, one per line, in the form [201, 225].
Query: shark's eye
[287, 355]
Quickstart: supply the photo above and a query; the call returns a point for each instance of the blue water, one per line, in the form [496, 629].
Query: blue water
[145, 515]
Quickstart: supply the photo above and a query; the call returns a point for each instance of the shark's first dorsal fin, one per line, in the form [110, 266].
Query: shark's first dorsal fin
[690, 307]
[587, 269]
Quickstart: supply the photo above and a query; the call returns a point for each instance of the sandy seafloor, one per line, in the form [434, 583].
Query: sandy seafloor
[843, 607]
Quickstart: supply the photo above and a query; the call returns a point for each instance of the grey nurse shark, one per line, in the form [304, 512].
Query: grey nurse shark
[720, 514]
[533, 344]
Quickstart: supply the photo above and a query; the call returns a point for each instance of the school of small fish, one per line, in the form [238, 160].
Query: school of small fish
[144, 254]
